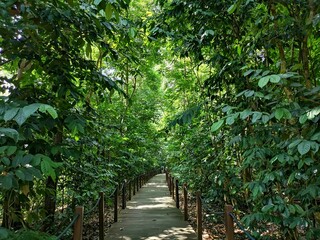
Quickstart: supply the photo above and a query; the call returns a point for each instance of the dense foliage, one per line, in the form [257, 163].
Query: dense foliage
[73, 110]
[259, 97]
[97, 91]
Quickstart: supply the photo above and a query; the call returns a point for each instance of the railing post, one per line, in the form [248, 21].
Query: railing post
[140, 181]
[185, 202]
[130, 189]
[166, 177]
[134, 186]
[116, 194]
[199, 216]
[101, 216]
[172, 188]
[124, 200]
[177, 194]
[137, 184]
[169, 185]
[78, 226]
[229, 222]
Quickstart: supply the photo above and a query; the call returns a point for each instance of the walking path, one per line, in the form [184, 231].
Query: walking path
[151, 215]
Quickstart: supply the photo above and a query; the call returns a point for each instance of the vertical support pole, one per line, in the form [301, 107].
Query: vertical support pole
[172, 185]
[116, 194]
[78, 226]
[185, 202]
[199, 216]
[229, 222]
[140, 181]
[166, 177]
[101, 216]
[177, 194]
[137, 184]
[134, 186]
[124, 200]
[130, 189]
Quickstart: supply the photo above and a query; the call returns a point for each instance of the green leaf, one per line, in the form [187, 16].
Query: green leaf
[6, 182]
[274, 78]
[232, 8]
[10, 114]
[256, 116]
[266, 208]
[109, 11]
[20, 175]
[97, 2]
[47, 108]
[30, 109]
[265, 119]
[263, 81]
[11, 133]
[316, 137]
[304, 147]
[217, 125]
[248, 72]
[20, 118]
[5, 161]
[11, 150]
[294, 143]
[246, 113]
[279, 113]
[230, 120]
[36, 160]
[303, 118]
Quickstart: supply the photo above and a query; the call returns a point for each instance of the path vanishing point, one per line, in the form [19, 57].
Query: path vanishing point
[151, 215]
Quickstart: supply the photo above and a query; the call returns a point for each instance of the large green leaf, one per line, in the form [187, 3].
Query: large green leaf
[217, 125]
[10, 132]
[49, 109]
[6, 181]
[304, 147]
[30, 109]
[10, 114]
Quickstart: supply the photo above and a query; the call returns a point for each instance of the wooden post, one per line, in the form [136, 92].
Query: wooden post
[185, 202]
[199, 216]
[78, 226]
[124, 200]
[229, 222]
[169, 185]
[172, 186]
[116, 194]
[140, 181]
[177, 194]
[101, 216]
[137, 184]
[134, 186]
[130, 189]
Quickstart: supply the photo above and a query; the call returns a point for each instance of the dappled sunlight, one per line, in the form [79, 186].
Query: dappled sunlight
[152, 216]
[150, 206]
[171, 233]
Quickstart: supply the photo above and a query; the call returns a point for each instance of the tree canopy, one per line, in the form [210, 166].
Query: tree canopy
[225, 94]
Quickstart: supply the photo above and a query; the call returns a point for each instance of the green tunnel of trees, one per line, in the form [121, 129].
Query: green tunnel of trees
[225, 94]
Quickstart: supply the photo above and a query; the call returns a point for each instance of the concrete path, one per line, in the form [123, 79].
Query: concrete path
[151, 215]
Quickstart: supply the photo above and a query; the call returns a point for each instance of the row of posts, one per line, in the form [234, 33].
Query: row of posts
[133, 187]
[173, 185]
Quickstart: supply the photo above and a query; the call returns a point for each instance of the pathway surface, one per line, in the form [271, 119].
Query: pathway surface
[151, 215]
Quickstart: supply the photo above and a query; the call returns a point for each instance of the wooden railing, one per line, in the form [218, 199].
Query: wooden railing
[229, 216]
[123, 191]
